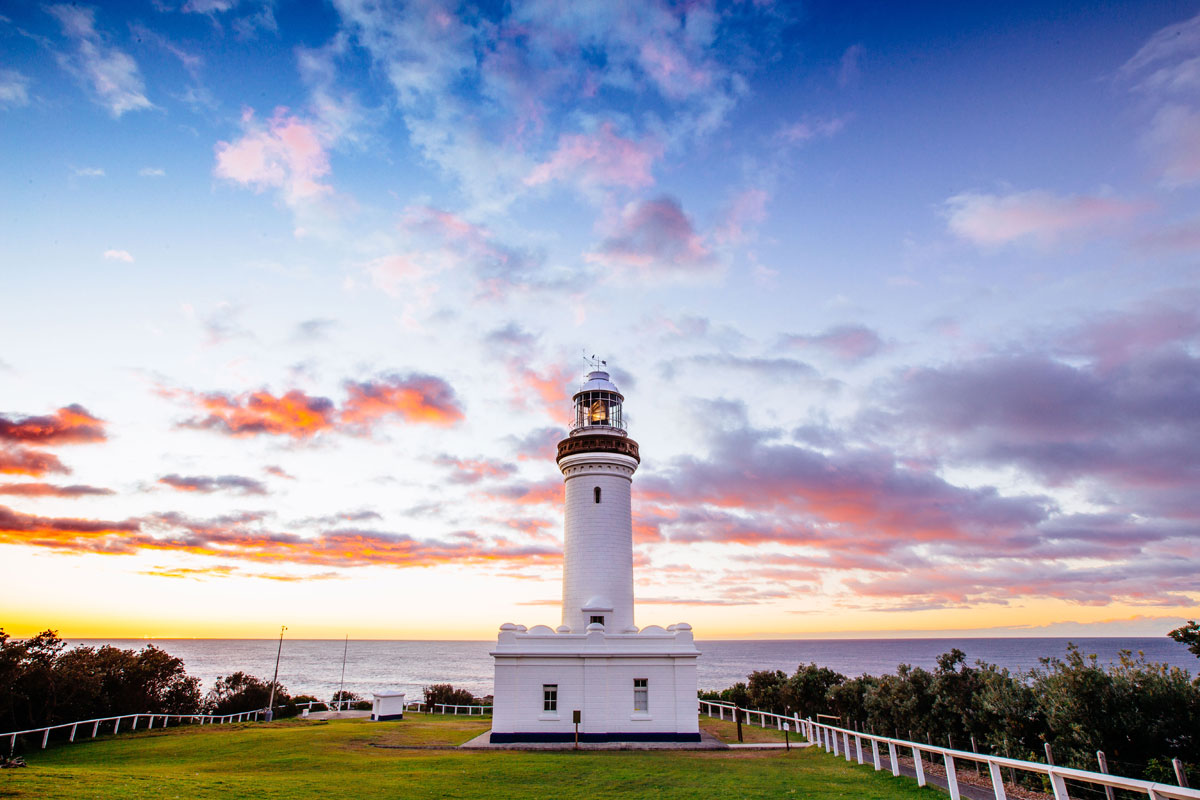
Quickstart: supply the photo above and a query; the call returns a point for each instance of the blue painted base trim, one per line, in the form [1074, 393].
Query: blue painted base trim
[386, 717]
[548, 737]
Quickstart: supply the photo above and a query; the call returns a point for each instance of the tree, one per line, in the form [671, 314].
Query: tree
[241, 692]
[445, 694]
[1189, 635]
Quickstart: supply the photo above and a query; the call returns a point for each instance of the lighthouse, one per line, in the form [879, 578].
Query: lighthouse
[596, 673]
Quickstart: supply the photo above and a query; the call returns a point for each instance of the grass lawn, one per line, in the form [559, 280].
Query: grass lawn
[726, 731]
[343, 758]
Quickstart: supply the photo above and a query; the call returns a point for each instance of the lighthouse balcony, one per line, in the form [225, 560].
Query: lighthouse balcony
[542, 639]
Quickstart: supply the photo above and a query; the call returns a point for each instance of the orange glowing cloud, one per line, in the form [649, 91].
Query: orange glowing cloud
[294, 414]
[35, 463]
[68, 425]
[49, 490]
[242, 537]
[415, 398]
[418, 398]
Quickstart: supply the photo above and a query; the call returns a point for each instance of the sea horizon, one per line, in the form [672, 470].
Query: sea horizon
[313, 666]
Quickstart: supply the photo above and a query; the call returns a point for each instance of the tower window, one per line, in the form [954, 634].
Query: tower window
[598, 618]
[596, 491]
[550, 697]
[641, 694]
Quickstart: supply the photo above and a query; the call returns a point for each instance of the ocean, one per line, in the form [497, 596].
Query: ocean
[309, 666]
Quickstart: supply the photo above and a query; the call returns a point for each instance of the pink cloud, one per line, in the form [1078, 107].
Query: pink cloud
[603, 158]
[285, 154]
[1175, 139]
[655, 237]
[746, 211]
[847, 342]
[1044, 217]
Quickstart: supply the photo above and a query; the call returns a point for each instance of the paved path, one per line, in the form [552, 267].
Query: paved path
[707, 742]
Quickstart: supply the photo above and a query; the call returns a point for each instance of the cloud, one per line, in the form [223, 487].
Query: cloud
[35, 463]
[807, 130]
[415, 398]
[473, 470]
[1175, 137]
[771, 369]
[847, 342]
[206, 484]
[227, 571]
[49, 490]
[746, 211]
[285, 153]
[243, 537]
[28, 529]
[655, 239]
[293, 413]
[602, 159]
[89, 172]
[1038, 216]
[311, 330]
[540, 444]
[438, 241]
[1126, 416]
[118, 255]
[111, 73]
[152, 172]
[71, 424]
[279, 472]
[1168, 60]
[14, 89]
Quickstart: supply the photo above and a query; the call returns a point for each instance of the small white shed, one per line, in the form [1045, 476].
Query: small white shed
[387, 705]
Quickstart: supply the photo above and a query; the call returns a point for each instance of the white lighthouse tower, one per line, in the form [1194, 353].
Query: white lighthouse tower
[624, 684]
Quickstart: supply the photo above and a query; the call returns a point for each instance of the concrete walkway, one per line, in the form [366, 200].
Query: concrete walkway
[707, 742]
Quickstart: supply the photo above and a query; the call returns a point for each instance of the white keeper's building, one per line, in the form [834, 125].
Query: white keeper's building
[627, 684]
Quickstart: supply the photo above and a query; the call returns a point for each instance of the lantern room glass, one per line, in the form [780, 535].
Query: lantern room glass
[598, 408]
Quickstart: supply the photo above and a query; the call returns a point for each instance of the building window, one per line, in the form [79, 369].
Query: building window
[550, 697]
[596, 491]
[641, 694]
[598, 618]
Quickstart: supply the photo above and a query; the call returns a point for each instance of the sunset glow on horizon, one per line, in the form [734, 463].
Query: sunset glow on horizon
[904, 302]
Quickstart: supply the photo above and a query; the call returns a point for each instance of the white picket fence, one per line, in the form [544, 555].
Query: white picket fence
[441, 708]
[211, 719]
[838, 741]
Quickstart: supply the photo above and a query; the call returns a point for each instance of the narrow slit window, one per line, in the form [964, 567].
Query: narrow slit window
[641, 694]
[550, 697]
[596, 491]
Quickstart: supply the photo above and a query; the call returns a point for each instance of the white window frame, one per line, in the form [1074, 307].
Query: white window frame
[641, 695]
[549, 698]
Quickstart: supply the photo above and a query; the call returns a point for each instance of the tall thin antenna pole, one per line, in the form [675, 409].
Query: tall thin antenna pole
[341, 688]
[275, 680]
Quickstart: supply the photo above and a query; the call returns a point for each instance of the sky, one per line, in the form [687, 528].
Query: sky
[904, 300]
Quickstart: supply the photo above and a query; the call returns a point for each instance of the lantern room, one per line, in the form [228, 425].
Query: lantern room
[598, 406]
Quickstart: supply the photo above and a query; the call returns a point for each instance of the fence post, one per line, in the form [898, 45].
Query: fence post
[1103, 762]
[951, 777]
[95, 728]
[895, 761]
[997, 780]
[875, 754]
[1180, 775]
[1049, 754]
[116, 726]
[73, 727]
[151, 723]
[920, 768]
[1060, 786]
[975, 750]
[846, 742]
[858, 747]
[45, 738]
[135, 719]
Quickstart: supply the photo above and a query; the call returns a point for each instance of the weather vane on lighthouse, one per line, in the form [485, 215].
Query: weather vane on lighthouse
[597, 669]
